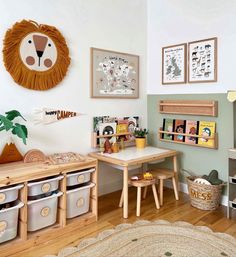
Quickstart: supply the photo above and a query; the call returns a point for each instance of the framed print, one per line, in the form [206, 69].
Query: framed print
[202, 61]
[174, 64]
[114, 74]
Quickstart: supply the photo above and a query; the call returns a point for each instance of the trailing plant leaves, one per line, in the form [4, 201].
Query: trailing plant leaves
[6, 123]
[21, 131]
[11, 115]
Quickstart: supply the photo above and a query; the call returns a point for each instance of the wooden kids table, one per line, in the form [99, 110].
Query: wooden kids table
[134, 156]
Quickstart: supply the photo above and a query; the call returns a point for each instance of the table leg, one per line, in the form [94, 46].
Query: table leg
[175, 164]
[125, 190]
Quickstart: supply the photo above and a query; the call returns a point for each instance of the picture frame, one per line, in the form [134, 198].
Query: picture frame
[114, 74]
[202, 61]
[174, 64]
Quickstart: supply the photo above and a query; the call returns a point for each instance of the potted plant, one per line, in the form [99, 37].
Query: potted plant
[140, 137]
[7, 123]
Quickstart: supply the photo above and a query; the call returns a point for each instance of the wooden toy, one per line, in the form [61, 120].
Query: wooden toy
[34, 155]
[107, 146]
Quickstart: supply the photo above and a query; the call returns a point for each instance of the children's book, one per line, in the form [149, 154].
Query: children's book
[122, 126]
[191, 129]
[168, 126]
[107, 129]
[206, 128]
[179, 127]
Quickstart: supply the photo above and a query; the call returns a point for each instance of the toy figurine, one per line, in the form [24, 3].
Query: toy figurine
[115, 147]
[107, 146]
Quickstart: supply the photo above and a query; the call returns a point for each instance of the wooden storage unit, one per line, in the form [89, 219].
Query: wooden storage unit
[189, 107]
[19, 172]
[215, 138]
[231, 182]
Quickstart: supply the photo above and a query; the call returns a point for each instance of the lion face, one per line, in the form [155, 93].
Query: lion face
[38, 52]
[36, 56]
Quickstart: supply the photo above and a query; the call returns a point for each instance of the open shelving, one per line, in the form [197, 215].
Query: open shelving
[214, 138]
[117, 135]
[189, 107]
[22, 173]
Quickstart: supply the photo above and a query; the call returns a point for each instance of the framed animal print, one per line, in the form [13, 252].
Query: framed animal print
[202, 64]
[174, 64]
[114, 74]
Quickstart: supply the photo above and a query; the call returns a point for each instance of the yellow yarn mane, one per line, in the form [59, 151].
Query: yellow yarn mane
[36, 80]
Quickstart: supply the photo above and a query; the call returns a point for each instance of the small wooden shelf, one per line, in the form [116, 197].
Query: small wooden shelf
[95, 137]
[189, 107]
[215, 138]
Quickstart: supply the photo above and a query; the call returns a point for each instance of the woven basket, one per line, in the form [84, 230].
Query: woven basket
[204, 197]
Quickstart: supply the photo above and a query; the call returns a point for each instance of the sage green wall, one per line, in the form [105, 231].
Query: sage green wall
[197, 159]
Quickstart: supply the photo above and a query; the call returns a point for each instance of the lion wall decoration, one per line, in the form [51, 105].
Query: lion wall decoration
[36, 55]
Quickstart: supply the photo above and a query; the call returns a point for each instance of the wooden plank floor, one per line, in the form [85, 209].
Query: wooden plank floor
[110, 215]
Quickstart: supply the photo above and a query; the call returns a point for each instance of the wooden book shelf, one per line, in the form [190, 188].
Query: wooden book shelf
[214, 138]
[95, 137]
[189, 107]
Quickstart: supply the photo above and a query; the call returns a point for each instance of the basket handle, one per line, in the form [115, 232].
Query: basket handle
[188, 172]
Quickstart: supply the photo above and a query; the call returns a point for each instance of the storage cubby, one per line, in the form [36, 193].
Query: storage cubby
[231, 182]
[45, 186]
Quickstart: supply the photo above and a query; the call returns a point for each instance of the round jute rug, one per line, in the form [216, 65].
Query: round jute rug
[155, 239]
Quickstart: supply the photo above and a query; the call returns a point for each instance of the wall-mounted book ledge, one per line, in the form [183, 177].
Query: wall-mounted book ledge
[203, 141]
[189, 107]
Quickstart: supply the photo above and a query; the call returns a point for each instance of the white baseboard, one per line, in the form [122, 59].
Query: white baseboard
[110, 187]
[184, 188]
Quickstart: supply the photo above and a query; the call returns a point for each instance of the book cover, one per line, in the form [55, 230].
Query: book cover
[179, 127]
[168, 126]
[107, 129]
[206, 128]
[191, 129]
[122, 126]
[133, 123]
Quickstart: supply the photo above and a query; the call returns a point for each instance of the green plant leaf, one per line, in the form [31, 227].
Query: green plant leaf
[11, 115]
[7, 124]
[21, 131]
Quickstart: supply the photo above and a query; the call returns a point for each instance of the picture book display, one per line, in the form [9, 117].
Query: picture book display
[168, 126]
[200, 133]
[105, 125]
[179, 127]
[207, 129]
[191, 129]
[122, 126]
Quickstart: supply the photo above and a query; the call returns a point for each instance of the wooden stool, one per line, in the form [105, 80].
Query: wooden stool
[139, 184]
[161, 174]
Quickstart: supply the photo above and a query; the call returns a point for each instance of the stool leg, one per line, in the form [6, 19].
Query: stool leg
[175, 188]
[145, 192]
[121, 199]
[155, 196]
[161, 191]
[138, 201]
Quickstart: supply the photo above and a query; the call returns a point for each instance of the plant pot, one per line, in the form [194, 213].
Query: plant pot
[140, 142]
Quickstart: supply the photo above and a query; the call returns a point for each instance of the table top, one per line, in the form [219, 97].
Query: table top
[133, 155]
[17, 172]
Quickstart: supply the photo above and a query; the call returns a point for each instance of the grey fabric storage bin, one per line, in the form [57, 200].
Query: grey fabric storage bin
[79, 177]
[78, 200]
[42, 212]
[9, 222]
[9, 194]
[43, 186]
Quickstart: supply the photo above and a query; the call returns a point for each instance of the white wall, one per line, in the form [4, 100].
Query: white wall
[116, 25]
[173, 22]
